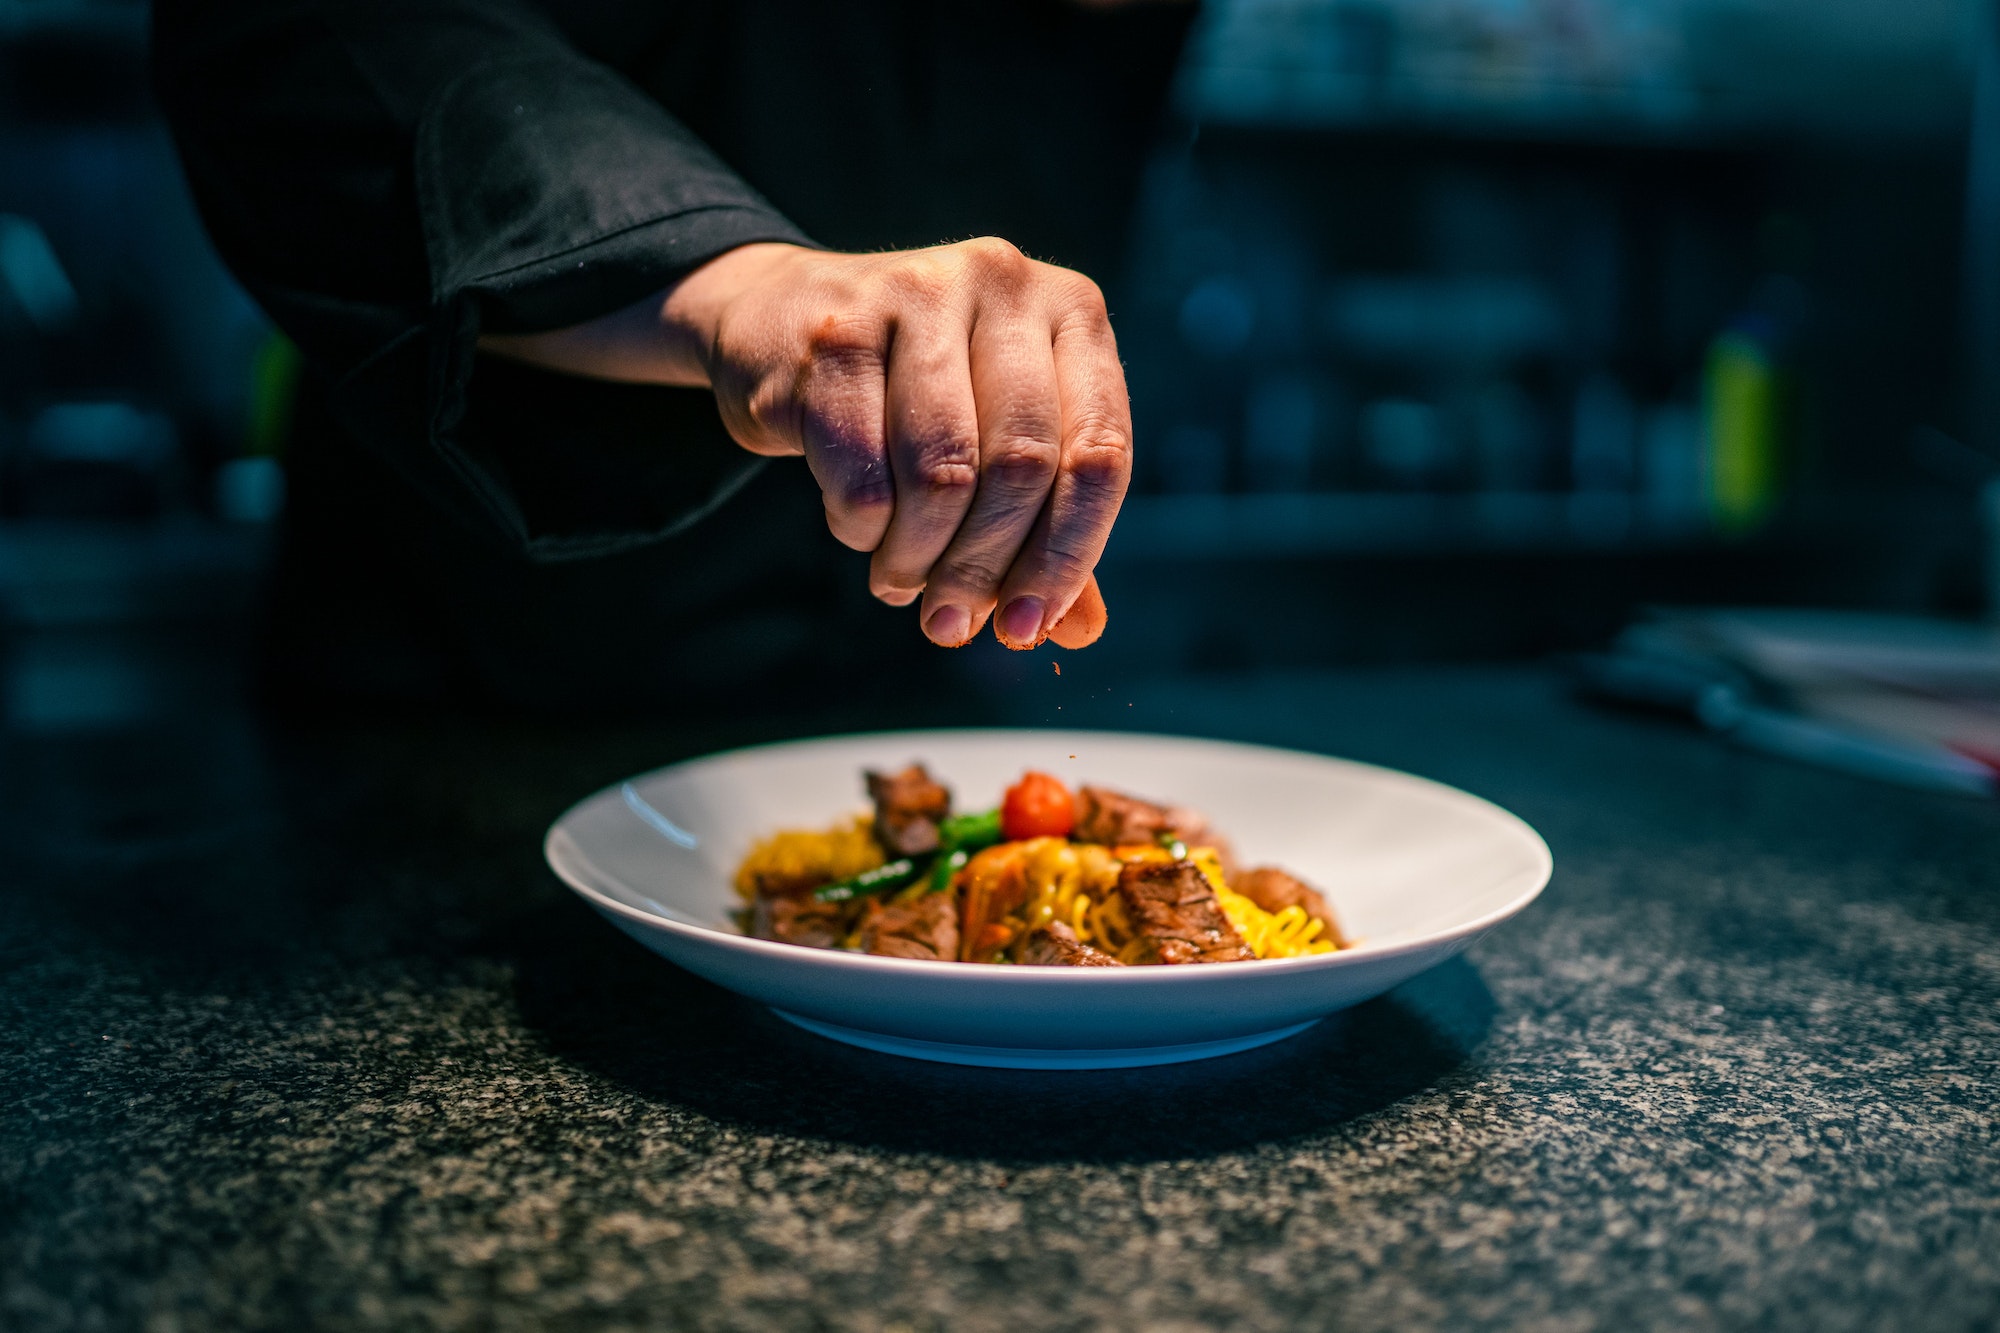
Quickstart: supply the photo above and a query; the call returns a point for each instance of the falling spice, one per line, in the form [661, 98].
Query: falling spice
[1057, 666]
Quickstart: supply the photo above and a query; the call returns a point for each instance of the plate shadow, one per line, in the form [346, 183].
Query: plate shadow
[603, 1002]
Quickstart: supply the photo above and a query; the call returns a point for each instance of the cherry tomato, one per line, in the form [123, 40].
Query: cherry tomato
[1038, 806]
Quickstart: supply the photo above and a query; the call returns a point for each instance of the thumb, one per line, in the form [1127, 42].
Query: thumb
[1083, 623]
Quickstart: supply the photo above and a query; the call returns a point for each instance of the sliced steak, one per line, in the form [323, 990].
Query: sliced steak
[799, 919]
[924, 928]
[1274, 890]
[1115, 819]
[1056, 945]
[908, 806]
[1175, 915]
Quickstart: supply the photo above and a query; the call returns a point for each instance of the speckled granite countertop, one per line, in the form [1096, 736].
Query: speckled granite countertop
[296, 1032]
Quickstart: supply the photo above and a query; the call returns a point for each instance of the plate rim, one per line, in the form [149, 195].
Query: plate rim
[842, 960]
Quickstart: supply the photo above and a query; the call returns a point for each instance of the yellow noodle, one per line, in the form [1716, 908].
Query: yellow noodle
[1109, 930]
[1288, 933]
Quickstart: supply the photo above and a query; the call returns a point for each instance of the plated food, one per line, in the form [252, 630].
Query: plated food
[1049, 878]
[1417, 868]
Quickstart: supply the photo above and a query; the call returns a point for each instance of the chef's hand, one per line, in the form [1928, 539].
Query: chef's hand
[962, 408]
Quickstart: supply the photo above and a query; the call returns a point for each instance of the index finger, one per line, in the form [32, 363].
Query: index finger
[1055, 564]
[842, 431]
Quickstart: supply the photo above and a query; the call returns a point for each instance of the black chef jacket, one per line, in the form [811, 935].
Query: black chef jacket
[391, 178]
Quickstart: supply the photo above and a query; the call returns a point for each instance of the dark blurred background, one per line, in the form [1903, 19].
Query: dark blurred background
[1457, 329]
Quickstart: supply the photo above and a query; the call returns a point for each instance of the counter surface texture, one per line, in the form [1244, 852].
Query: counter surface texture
[298, 1032]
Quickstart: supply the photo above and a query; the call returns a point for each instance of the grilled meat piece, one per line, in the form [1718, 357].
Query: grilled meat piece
[1274, 890]
[1056, 945]
[908, 806]
[1114, 819]
[926, 927]
[798, 919]
[1175, 915]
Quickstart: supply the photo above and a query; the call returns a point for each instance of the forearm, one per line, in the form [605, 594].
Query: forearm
[664, 338]
[635, 345]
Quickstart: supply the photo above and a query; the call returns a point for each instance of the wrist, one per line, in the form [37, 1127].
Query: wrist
[691, 312]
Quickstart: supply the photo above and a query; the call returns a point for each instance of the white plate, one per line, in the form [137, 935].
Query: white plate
[1415, 869]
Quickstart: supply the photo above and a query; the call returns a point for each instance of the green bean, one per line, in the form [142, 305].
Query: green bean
[958, 836]
[948, 865]
[890, 875]
[971, 832]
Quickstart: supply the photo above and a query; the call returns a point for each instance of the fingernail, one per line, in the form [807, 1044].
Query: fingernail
[1020, 623]
[949, 626]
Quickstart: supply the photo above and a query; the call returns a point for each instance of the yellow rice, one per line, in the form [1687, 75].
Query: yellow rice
[799, 859]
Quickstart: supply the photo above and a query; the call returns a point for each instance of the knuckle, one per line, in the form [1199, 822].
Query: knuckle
[768, 408]
[864, 498]
[846, 436]
[864, 482]
[920, 282]
[930, 354]
[1083, 302]
[895, 583]
[1079, 312]
[968, 572]
[997, 258]
[853, 477]
[1022, 462]
[867, 491]
[845, 339]
[949, 466]
[769, 417]
[1099, 455]
[1063, 562]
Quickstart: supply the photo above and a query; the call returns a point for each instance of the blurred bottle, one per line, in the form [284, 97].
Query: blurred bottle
[1604, 432]
[1743, 419]
[1673, 475]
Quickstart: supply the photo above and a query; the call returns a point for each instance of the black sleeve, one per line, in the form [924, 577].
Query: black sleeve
[391, 177]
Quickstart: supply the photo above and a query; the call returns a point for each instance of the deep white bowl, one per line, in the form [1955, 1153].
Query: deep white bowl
[1414, 869]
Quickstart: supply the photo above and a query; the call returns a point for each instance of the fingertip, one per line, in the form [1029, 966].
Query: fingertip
[950, 626]
[857, 527]
[1019, 622]
[889, 586]
[1083, 624]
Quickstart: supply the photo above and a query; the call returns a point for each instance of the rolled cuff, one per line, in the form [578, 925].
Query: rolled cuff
[552, 192]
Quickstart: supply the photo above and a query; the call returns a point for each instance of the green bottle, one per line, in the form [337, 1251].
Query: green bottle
[1743, 410]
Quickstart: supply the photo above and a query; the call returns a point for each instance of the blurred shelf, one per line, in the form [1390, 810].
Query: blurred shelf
[62, 574]
[121, 18]
[73, 62]
[1685, 72]
[1250, 109]
[1550, 137]
[1209, 527]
